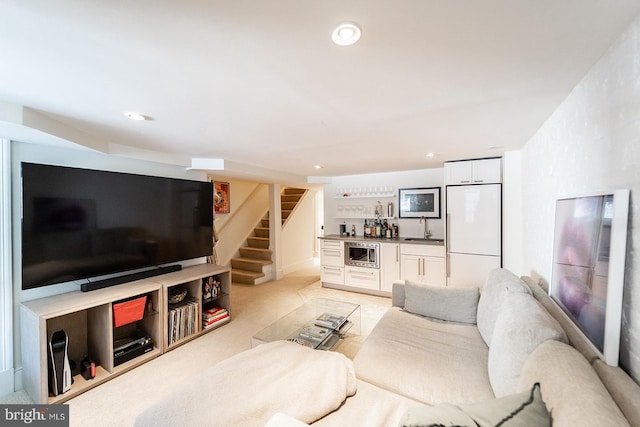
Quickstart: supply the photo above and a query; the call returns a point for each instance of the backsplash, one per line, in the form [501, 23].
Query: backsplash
[590, 144]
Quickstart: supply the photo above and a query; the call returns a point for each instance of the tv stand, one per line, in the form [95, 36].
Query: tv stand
[112, 281]
[88, 320]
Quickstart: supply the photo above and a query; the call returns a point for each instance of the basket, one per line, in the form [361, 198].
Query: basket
[128, 311]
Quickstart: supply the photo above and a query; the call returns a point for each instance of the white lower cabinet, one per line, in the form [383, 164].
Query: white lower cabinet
[332, 253]
[360, 277]
[332, 261]
[330, 274]
[389, 265]
[423, 263]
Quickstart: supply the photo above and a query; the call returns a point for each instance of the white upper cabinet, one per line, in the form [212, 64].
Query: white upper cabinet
[484, 171]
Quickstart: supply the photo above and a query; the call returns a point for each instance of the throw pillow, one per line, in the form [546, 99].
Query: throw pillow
[520, 327]
[526, 409]
[452, 304]
[499, 285]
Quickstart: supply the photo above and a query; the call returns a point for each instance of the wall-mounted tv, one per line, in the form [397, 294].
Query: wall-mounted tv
[587, 276]
[81, 224]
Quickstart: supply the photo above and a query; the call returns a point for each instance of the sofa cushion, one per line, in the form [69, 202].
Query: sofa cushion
[427, 360]
[370, 406]
[521, 326]
[451, 304]
[499, 284]
[571, 388]
[526, 409]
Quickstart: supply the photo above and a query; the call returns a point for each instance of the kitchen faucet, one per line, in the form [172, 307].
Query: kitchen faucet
[427, 232]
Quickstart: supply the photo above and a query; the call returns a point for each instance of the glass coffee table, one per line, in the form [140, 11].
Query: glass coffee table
[319, 323]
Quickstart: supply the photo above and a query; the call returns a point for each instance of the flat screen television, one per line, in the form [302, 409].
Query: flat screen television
[587, 276]
[84, 225]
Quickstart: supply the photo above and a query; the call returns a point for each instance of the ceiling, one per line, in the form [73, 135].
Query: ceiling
[261, 85]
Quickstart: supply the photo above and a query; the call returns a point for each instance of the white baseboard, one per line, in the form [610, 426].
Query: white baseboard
[307, 263]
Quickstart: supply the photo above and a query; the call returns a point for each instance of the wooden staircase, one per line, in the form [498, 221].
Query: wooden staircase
[255, 257]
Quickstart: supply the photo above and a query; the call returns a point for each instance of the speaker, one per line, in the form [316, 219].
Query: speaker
[59, 367]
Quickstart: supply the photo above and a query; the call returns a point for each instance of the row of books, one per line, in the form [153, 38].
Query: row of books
[182, 320]
[213, 316]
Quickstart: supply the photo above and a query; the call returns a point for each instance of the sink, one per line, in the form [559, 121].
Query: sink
[422, 239]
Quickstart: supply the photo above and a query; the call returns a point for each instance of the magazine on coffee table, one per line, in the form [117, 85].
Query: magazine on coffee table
[311, 336]
[331, 321]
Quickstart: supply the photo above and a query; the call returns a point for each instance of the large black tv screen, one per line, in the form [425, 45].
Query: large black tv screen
[82, 224]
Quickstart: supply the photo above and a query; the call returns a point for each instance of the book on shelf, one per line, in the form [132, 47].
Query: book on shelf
[213, 311]
[215, 321]
[182, 321]
[209, 314]
[330, 321]
[219, 314]
[213, 315]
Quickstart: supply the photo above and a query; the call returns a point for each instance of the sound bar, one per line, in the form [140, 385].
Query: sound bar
[112, 281]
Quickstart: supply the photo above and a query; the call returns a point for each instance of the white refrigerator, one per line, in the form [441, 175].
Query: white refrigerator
[474, 237]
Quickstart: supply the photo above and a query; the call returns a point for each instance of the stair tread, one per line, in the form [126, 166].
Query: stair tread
[251, 248]
[247, 273]
[253, 260]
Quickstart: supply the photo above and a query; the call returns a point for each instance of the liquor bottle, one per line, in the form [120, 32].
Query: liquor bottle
[379, 211]
[367, 229]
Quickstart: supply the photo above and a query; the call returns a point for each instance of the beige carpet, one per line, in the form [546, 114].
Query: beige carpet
[117, 402]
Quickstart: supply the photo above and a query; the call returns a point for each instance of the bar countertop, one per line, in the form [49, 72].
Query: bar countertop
[412, 240]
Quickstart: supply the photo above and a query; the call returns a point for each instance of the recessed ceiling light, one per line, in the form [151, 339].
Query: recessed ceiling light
[318, 166]
[136, 116]
[346, 34]
[431, 154]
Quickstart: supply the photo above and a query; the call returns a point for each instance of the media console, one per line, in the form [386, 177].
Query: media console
[88, 321]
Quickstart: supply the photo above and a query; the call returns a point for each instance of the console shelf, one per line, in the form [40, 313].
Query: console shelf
[87, 319]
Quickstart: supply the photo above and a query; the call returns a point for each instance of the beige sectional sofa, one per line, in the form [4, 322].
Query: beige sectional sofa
[504, 355]
[436, 356]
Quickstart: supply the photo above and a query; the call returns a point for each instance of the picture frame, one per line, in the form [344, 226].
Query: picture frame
[419, 202]
[221, 200]
[587, 274]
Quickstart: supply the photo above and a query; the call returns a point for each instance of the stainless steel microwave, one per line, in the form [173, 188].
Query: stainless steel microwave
[362, 254]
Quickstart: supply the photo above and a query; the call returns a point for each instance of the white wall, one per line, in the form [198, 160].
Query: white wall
[249, 202]
[512, 213]
[6, 293]
[299, 235]
[66, 157]
[591, 143]
[409, 227]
